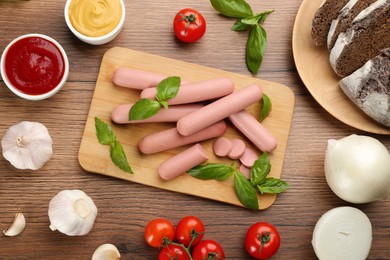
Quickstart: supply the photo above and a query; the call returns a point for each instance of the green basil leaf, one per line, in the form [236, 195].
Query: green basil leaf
[118, 157]
[232, 8]
[263, 15]
[211, 171]
[255, 48]
[245, 192]
[104, 132]
[253, 20]
[239, 26]
[168, 88]
[144, 108]
[265, 107]
[260, 170]
[273, 185]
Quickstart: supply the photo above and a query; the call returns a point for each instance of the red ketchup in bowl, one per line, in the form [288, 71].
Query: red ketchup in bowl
[34, 65]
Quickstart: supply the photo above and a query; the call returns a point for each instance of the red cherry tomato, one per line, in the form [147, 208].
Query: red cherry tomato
[262, 240]
[156, 230]
[189, 25]
[173, 252]
[208, 249]
[187, 228]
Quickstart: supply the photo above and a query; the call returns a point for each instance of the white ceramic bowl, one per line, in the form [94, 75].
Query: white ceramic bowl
[95, 40]
[38, 96]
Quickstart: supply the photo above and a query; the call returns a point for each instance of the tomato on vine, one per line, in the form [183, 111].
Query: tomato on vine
[170, 252]
[189, 229]
[208, 249]
[158, 229]
[262, 240]
[189, 25]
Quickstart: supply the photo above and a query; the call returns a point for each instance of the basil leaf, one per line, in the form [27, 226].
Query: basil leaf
[104, 132]
[263, 15]
[265, 108]
[239, 26]
[258, 18]
[255, 48]
[211, 171]
[144, 108]
[168, 88]
[245, 192]
[260, 170]
[273, 185]
[118, 157]
[232, 8]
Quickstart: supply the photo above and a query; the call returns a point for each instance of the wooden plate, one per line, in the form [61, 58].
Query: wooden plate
[95, 157]
[313, 66]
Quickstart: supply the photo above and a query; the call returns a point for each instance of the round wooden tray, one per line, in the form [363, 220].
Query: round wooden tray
[313, 66]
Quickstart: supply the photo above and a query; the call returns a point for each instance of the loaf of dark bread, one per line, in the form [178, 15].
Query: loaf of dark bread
[369, 87]
[324, 16]
[367, 36]
[345, 18]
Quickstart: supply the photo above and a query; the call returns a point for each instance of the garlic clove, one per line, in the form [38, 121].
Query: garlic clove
[342, 233]
[106, 252]
[17, 226]
[27, 145]
[72, 212]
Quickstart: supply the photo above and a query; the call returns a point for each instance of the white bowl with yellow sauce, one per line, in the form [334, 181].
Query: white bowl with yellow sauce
[95, 21]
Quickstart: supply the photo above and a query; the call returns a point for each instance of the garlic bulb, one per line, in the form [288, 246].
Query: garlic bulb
[17, 226]
[106, 252]
[27, 145]
[342, 233]
[72, 212]
[357, 168]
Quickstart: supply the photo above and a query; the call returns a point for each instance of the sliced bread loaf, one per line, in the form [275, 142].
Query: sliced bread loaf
[367, 36]
[369, 87]
[345, 18]
[327, 12]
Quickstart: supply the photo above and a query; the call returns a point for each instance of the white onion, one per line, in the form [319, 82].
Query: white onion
[357, 168]
[342, 233]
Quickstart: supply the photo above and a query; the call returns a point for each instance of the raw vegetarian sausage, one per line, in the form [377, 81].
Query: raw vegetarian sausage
[219, 109]
[182, 162]
[168, 139]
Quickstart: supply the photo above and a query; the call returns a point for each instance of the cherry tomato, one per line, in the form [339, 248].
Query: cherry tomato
[173, 252]
[187, 228]
[189, 25]
[207, 250]
[156, 230]
[262, 240]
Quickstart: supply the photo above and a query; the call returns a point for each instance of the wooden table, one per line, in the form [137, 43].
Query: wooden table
[125, 207]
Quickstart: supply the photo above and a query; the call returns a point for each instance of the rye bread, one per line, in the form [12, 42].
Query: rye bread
[345, 18]
[367, 36]
[369, 87]
[324, 16]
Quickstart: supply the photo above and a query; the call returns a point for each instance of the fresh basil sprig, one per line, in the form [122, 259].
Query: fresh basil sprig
[245, 189]
[257, 39]
[106, 136]
[265, 107]
[145, 107]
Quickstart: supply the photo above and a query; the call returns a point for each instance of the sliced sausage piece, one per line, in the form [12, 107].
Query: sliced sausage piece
[222, 146]
[253, 130]
[245, 171]
[171, 138]
[136, 79]
[182, 162]
[219, 109]
[249, 157]
[120, 114]
[238, 148]
[195, 92]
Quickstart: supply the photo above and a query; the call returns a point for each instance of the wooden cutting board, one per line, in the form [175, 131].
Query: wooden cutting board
[95, 157]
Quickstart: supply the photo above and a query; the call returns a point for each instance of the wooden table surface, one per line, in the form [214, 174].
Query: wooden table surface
[125, 207]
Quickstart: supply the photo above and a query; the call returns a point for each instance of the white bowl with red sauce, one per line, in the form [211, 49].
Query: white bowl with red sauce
[34, 66]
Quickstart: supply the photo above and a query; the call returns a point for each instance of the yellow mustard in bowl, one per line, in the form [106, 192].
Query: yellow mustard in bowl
[95, 18]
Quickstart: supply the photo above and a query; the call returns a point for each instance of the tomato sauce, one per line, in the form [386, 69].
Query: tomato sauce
[34, 65]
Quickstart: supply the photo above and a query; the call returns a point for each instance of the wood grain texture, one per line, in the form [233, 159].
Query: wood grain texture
[125, 207]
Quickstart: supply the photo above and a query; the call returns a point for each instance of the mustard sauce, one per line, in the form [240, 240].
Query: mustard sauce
[95, 18]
